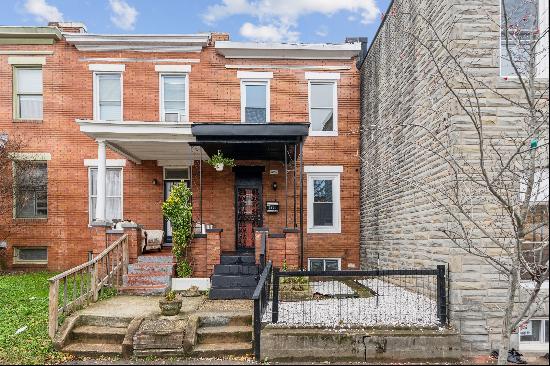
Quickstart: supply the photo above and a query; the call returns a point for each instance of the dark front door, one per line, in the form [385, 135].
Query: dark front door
[248, 196]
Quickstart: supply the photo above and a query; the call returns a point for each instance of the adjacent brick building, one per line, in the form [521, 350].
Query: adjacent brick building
[68, 94]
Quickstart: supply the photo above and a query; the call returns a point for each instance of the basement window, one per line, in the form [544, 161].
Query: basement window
[324, 264]
[30, 255]
[533, 335]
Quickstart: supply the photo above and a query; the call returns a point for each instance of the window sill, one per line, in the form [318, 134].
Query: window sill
[323, 133]
[30, 263]
[31, 219]
[20, 120]
[321, 230]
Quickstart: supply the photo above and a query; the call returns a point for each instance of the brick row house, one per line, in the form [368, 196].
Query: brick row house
[110, 122]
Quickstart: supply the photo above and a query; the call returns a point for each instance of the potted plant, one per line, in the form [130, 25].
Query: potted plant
[170, 304]
[218, 161]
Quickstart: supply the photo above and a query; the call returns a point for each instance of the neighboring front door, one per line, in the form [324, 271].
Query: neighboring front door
[248, 195]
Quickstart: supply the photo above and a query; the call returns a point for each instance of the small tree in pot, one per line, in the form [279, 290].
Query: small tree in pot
[179, 211]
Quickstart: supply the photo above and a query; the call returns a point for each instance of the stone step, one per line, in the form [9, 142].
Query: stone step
[98, 334]
[224, 319]
[144, 290]
[103, 321]
[148, 267]
[93, 349]
[235, 269]
[237, 259]
[231, 293]
[229, 281]
[156, 259]
[224, 334]
[222, 349]
[146, 279]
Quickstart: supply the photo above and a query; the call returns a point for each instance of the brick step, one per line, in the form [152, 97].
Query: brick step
[220, 350]
[232, 281]
[224, 319]
[156, 259]
[102, 321]
[235, 269]
[231, 293]
[144, 290]
[93, 349]
[146, 279]
[237, 259]
[224, 334]
[98, 334]
[147, 267]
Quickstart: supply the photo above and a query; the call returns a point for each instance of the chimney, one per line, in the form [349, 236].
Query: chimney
[364, 48]
[69, 27]
[215, 36]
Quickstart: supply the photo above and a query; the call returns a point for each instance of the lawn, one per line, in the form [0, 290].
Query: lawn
[24, 303]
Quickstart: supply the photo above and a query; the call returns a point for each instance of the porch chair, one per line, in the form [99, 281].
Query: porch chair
[152, 239]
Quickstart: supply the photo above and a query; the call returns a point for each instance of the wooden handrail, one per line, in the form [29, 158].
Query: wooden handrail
[84, 282]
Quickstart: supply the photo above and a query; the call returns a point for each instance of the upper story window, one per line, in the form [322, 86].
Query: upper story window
[323, 103]
[174, 97]
[255, 96]
[524, 37]
[28, 98]
[108, 96]
[31, 189]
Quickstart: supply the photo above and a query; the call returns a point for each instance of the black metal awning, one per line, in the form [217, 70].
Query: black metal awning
[249, 141]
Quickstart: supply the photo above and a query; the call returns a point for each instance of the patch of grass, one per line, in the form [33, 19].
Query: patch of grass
[24, 302]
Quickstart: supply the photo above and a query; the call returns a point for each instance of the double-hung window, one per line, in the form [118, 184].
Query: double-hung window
[108, 96]
[31, 189]
[522, 24]
[255, 96]
[324, 264]
[113, 193]
[174, 96]
[323, 103]
[28, 96]
[323, 199]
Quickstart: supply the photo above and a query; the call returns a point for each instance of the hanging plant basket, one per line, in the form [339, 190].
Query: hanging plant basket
[218, 161]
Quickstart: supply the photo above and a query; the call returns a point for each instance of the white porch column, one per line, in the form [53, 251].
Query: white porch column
[101, 180]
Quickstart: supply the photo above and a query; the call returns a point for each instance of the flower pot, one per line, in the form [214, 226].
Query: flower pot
[170, 308]
[219, 167]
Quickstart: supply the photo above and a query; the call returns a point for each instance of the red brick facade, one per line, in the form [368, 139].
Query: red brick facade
[214, 96]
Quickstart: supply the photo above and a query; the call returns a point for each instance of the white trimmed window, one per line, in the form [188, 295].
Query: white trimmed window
[113, 193]
[28, 98]
[30, 255]
[108, 96]
[324, 264]
[323, 108]
[323, 199]
[174, 97]
[255, 101]
[31, 189]
[533, 335]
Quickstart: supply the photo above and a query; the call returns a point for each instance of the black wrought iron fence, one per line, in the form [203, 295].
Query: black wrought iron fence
[384, 298]
[261, 299]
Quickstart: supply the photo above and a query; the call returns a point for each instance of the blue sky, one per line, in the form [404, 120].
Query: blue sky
[252, 20]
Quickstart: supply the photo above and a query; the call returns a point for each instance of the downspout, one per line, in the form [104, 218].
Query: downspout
[301, 205]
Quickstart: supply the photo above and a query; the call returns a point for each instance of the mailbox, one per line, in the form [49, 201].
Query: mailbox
[272, 207]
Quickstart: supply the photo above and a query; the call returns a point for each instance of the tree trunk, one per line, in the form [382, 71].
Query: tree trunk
[507, 319]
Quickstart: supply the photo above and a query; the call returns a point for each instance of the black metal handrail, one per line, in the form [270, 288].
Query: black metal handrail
[261, 300]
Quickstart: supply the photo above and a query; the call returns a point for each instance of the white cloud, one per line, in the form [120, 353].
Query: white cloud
[42, 11]
[279, 18]
[322, 31]
[124, 15]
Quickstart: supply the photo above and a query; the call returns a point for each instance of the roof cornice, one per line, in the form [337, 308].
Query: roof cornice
[29, 35]
[300, 51]
[138, 42]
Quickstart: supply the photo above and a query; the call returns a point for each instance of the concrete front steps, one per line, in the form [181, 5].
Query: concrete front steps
[97, 336]
[150, 275]
[220, 335]
[235, 277]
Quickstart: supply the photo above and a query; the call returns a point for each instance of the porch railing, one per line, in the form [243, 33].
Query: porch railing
[81, 285]
[261, 301]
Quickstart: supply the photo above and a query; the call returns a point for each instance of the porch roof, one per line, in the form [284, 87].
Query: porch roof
[249, 141]
[165, 142]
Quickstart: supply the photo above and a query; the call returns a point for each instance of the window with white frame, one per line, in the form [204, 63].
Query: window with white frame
[522, 24]
[323, 199]
[322, 108]
[31, 189]
[30, 255]
[534, 334]
[108, 96]
[113, 193]
[255, 101]
[28, 98]
[324, 264]
[174, 97]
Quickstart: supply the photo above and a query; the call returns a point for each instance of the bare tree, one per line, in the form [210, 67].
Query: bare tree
[492, 188]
